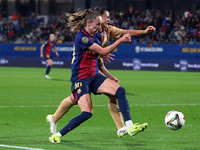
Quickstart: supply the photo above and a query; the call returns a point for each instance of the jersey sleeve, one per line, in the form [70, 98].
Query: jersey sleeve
[83, 42]
[46, 43]
[115, 32]
[54, 44]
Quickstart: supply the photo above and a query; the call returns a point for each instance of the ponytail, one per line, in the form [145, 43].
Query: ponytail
[77, 21]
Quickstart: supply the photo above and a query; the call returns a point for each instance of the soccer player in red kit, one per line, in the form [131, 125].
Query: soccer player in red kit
[47, 46]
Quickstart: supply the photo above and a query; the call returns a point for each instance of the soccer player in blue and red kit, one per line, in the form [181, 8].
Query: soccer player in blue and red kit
[107, 32]
[47, 47]
[85, 77]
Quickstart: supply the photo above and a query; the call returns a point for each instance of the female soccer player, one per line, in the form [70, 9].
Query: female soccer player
[85, 77]
[47, 46]
[107, 32]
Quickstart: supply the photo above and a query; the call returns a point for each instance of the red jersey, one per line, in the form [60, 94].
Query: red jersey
[48, 46]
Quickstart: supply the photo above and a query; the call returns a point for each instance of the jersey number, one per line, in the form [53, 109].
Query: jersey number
[78, 85]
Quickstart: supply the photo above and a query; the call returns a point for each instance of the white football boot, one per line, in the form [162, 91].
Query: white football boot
[46, 76]
[122, 132]
[52, 123]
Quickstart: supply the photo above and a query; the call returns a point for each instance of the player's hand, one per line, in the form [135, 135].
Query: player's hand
[114, 79]
[126, 38]
[41, 55]
[57, 54]
[108, 57]
[149, 29]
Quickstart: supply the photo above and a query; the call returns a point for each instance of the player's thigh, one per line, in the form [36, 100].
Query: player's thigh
[85, 103]
[108, 87]
[49, 62]
[72, 99]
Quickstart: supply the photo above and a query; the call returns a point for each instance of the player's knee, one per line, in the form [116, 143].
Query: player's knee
[120, 92]
[50, 63]
[86, 115]
[112, 99]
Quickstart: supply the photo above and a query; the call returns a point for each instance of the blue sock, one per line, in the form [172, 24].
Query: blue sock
[123, 103]
[75, 122]
[48, 69]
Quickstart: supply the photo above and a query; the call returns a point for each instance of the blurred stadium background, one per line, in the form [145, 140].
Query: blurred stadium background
[26, 24]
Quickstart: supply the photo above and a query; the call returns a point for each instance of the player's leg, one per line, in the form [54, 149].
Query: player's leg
[116, 115]
[110, 87]
[63, 108]
[85, 104]
[114, 111]
[49, 65]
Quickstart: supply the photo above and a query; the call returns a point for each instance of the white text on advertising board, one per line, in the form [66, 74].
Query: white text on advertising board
[139, 49]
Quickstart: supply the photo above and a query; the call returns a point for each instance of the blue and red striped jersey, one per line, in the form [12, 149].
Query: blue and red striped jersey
[84, 62]
[48, 46]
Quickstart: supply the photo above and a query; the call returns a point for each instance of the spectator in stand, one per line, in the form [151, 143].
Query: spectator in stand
[1, 18]
[59, 41]
[16, 16]
[179, 29]
[24, 39]
[191, 41]
[11, 35]
[1, 38]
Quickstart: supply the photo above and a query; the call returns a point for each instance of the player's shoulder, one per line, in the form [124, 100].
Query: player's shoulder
[98, 34]
[54, 42]
[46, 42]
[81, 38]
[110, 27]
[79, 35]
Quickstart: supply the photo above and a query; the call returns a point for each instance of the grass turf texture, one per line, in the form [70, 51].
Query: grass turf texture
[146, 91]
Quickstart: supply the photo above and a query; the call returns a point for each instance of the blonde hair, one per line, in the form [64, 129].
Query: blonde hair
[77, 21]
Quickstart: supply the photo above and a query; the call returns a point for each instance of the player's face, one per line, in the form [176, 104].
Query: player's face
[52, 38]
[105, 18]
[95, 26]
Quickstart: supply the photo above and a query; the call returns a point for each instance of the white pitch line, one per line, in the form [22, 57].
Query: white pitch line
[158, 105]
[43, 106]
[29, 106]
[20, 147]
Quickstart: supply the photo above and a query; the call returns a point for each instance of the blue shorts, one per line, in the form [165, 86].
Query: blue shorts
[87, 85]
[48, 57]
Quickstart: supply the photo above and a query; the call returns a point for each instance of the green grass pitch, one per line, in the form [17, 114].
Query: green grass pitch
[26, 97]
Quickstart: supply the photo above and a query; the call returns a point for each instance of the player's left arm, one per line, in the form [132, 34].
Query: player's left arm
[54, 48]
[103, 69]
[140, 32]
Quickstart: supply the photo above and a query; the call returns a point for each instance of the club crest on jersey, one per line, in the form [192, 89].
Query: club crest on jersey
[79, 91]
[84, 40]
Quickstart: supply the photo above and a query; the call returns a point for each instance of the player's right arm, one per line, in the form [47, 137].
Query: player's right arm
[140, 32]
[41, 51]
[117, 32]
[105, 51]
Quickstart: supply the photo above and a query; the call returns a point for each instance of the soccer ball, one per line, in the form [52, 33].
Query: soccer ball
[174, 120]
